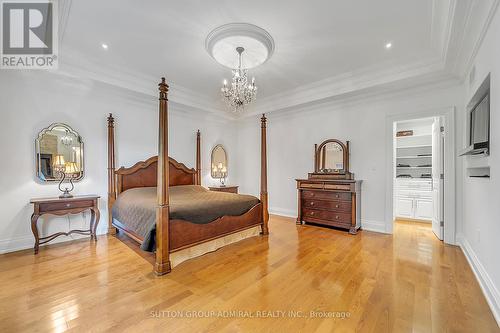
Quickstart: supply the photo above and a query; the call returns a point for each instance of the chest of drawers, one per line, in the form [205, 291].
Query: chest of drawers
[333, 203]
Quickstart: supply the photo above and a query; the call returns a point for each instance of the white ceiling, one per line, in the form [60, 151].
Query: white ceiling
[316, 40]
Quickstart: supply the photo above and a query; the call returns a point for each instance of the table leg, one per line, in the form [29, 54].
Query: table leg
[34, 229]
[94, 222]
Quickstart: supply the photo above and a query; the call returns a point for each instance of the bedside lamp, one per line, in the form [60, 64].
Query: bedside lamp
[59, 163]
[68, 169]
[222, 172]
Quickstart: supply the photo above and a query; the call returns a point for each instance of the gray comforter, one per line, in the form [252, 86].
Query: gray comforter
[136, 208]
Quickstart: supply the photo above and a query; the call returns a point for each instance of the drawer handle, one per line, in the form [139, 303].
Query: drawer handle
[336, 196]
[312, 213]
[336, 217]
[336, 206]
[312, 203]
[68, 205]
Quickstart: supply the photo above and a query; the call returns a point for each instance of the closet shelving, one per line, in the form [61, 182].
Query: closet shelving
[413, 168]
[414, 156]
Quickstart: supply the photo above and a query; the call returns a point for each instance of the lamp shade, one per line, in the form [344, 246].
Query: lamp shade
[59, 161]
[71, 167]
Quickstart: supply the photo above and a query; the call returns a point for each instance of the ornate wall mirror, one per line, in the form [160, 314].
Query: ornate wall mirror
[219, 163]
[58, 148]
[331, 157]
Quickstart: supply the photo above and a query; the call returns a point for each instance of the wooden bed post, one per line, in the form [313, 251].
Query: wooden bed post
[111, 173]
[263, 176]
[198, 158]
[162, 265]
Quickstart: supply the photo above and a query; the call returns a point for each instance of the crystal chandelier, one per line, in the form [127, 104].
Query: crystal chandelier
[67, 140]
[240, 92]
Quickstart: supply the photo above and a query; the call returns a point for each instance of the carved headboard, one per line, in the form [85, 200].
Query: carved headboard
[144, 174]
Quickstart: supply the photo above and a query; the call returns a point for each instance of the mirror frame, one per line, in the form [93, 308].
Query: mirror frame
[317, 152]
[212, 159]
[38, 155]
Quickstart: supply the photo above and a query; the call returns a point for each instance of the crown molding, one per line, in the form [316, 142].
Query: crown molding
[443, 15]
[468, 33]
[64, 9]
[73, 63]
[379, 94]
[346, 84]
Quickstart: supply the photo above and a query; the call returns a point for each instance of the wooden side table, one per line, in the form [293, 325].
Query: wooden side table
[227, 188]
[57, 206]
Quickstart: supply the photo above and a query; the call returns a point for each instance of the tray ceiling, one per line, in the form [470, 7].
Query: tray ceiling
[314, 40]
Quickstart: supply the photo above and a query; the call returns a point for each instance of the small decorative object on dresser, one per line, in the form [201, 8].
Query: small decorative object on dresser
[330, 196]
[224, 188]
[64, 206]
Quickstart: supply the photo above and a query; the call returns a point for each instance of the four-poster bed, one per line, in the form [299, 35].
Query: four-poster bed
[187, 215]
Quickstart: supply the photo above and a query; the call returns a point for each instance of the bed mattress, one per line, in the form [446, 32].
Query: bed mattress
[136, 208]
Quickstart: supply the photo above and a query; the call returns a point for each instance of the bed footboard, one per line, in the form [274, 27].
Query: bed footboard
[185, 234]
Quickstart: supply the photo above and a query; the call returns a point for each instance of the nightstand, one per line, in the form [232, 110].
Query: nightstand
[228, 189]
[57, 206]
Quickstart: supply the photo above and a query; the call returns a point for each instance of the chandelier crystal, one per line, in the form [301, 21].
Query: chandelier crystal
[240, 92]
[67, 140]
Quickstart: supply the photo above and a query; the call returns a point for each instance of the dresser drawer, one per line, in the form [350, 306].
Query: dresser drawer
[335, 217]
[340, 187]
[325, 195]
[340, 206]
[312, 185]
[55, 206]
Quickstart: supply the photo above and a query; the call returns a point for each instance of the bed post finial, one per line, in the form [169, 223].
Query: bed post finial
[162, 264]
[111, 172]
[263, 176]
[198, 157]
[163, 88]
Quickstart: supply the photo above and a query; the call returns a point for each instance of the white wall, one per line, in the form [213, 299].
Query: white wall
[479, 233]
[292, 135]
[30, 101]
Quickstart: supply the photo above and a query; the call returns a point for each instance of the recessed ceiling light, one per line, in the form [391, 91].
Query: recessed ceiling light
[388, 45]
[104, 46]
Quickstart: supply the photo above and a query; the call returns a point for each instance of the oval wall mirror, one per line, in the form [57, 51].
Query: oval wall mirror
[219, 162]
[58, 148]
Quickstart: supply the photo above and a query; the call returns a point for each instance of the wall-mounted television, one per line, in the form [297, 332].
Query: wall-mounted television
[479, 121]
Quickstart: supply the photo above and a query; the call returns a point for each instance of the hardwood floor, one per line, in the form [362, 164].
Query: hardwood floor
[378, 283]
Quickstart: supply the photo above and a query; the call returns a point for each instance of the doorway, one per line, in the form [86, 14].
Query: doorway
[418, 194]
[438, 181]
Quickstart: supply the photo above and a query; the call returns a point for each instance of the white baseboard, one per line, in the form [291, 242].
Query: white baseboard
[489, 289]
[16, 244]
[371, 225]
[282, 212]
[27, 242]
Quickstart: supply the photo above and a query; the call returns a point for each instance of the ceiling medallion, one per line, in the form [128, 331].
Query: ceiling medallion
[258, 46]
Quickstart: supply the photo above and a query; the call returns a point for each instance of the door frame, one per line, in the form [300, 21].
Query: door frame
[448, 115]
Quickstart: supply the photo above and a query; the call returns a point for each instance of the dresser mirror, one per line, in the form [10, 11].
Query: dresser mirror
[58, 149]
[219, 162]
[331, 157]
